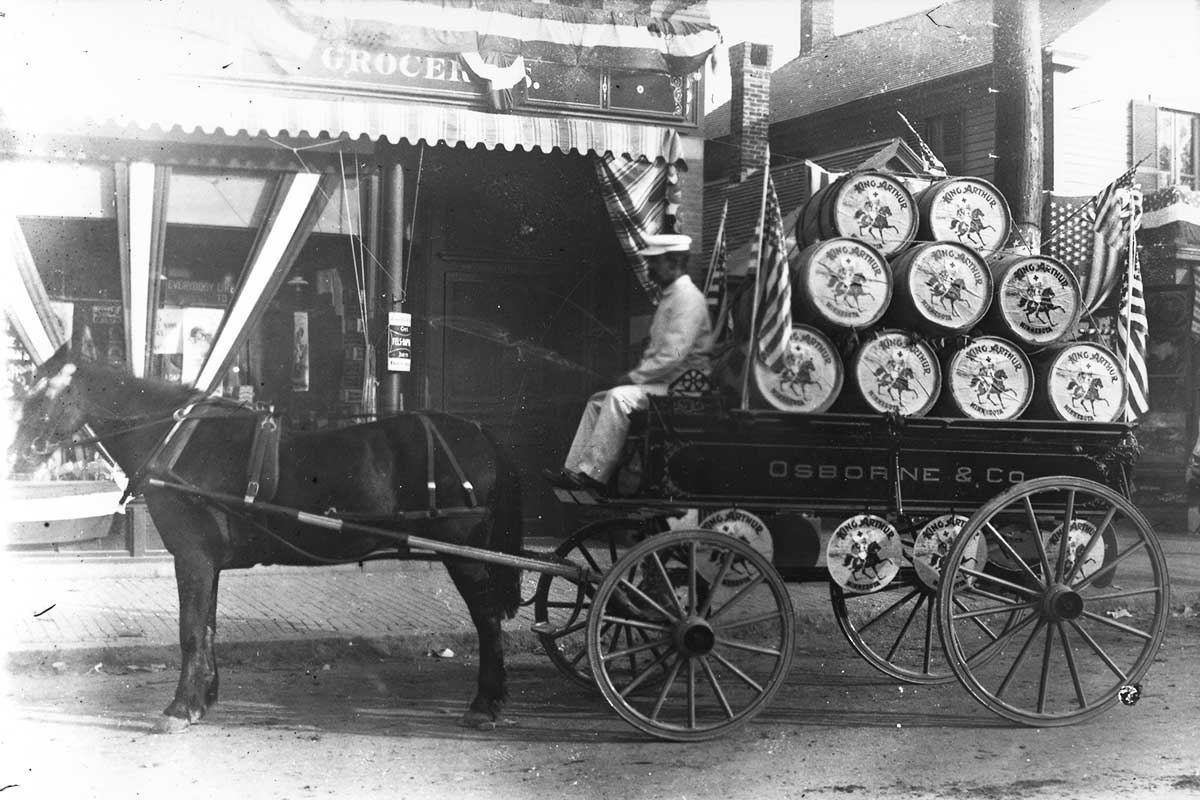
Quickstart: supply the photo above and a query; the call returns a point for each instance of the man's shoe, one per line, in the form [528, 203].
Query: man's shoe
[560, 479]
[587, 482]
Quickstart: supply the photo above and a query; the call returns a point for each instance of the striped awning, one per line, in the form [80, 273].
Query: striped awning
[257, 111]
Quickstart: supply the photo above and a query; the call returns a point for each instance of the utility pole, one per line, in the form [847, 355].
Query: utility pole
[1017, 79]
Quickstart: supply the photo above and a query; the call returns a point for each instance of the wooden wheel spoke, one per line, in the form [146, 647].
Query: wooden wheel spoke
[726, 563]
[691, 576]
[1020, 658]
[716, 687]
[574, 627]
[904, 628]
[1112, 623]
[1001, 640]
[888, 610]
[749, 648]
[1096, 536]
[1012, 587]
[1097, 598]
[737, 598]
[636, 623]
[691, 692]
[1066, 645]
[665, 690]
[650, 601]
[729, 665]
[1045, 680]
[1108, 568]
[1012, 553]
[982, 612]
[1064, 540]
[766, 616]
[978, 622]
[644, 675]
[666, 579]
[1037, 535]
[927, 656]
[1099, 651]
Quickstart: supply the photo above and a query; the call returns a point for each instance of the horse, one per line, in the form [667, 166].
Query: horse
[859, 561]
[1085, 391]
[799, 375]
[992, 386]
[375, 470]
[972, 230]
[1038, 308]
[875, 222]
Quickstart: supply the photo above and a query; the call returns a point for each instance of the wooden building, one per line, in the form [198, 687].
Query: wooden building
[346, 210]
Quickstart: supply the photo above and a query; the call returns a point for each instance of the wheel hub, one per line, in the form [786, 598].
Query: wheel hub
[695, 637]
[1062, 603]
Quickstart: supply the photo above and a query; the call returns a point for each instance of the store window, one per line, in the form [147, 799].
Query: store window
[1177, 145]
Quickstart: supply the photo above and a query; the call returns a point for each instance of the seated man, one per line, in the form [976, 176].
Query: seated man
[681, 339]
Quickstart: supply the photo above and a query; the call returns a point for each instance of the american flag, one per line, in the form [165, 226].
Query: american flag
[1088, 234]
[775, 302]
[714, 281]
[1133, 329]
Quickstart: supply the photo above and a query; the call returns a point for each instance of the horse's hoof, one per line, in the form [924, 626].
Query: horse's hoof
[168, 724]
[479, 721]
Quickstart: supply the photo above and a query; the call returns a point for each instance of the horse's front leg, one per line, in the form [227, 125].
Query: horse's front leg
[471, 580]
[193, 538]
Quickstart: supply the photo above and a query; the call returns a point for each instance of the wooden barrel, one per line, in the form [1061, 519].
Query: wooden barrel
[987, 378]
[840, 283]
[871, 206]
[811, 378]
[940, 288]
[969, 211]
[1037, 300]
[1078, 382]
[895, 372]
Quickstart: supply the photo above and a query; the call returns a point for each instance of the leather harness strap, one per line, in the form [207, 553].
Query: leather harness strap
[432, 433]
[262, 473]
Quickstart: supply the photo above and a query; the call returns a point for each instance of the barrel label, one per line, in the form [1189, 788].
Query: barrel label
[848, 282]
[1086, 384]
[876, 209]
[1039, 300]
[950, 285]
[811, 377]
[864, 553]
[739, 524]
[970, 212]
[1079, 560]
[897, 374]
[933, 544]
[990, 379]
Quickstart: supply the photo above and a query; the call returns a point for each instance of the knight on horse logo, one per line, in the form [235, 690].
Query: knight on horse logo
[969, 224]
[1038, 300]
[872, 218]
[991, 383]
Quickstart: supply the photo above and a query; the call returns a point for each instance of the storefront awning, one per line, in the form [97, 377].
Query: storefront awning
[232, 110]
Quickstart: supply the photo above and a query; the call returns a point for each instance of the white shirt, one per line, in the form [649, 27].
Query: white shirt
[681, 336]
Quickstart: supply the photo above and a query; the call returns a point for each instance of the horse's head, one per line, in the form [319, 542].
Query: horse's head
[49, 413]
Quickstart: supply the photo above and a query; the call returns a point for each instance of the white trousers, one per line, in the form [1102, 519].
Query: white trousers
[603, 427]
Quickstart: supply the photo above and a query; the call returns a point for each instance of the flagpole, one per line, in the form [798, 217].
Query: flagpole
[712, 257]
[752, 351]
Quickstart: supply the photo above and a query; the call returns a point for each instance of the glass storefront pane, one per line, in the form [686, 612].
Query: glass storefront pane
[1166, 141]
[1184, 144]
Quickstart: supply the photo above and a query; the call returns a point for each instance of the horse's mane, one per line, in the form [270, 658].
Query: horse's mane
[130, 393]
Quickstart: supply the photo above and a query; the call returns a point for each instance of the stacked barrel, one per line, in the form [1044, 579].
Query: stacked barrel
[905, 300]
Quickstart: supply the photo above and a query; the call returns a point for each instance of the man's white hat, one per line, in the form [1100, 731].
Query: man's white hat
[659, 243]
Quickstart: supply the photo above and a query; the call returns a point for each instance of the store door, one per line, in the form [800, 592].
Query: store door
[510, 348]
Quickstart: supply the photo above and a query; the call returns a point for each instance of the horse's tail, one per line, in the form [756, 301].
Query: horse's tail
[507, 530]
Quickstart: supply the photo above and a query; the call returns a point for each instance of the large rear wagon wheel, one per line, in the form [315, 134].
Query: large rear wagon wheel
[1073, 621]
[561, 606]
[719, 626]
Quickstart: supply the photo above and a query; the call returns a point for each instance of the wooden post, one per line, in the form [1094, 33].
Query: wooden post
[1017, 79]
[391, 386]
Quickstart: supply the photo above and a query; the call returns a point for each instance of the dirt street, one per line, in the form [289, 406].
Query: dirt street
[362, 721]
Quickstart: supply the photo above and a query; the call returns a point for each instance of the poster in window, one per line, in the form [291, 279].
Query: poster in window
[300, 351]
[199, 328]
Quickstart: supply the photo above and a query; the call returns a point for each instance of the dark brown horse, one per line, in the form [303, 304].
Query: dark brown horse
[373, 471]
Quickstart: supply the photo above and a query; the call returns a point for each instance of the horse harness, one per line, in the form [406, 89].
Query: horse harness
[262, 468]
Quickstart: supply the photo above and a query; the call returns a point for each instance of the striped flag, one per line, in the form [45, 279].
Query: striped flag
[775, 300]
[1089, 235]
[1133, 329]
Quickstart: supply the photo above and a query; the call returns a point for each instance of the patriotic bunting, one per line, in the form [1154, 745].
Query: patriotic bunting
[1133, 329]
[715, 280]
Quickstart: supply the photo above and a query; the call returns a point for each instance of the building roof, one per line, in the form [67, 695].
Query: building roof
[793, 185]
[948, 39]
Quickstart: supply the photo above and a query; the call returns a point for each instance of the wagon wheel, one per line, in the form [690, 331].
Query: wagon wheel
[561, 606]
[895, 629]
[719, 617]
[1073, 621]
